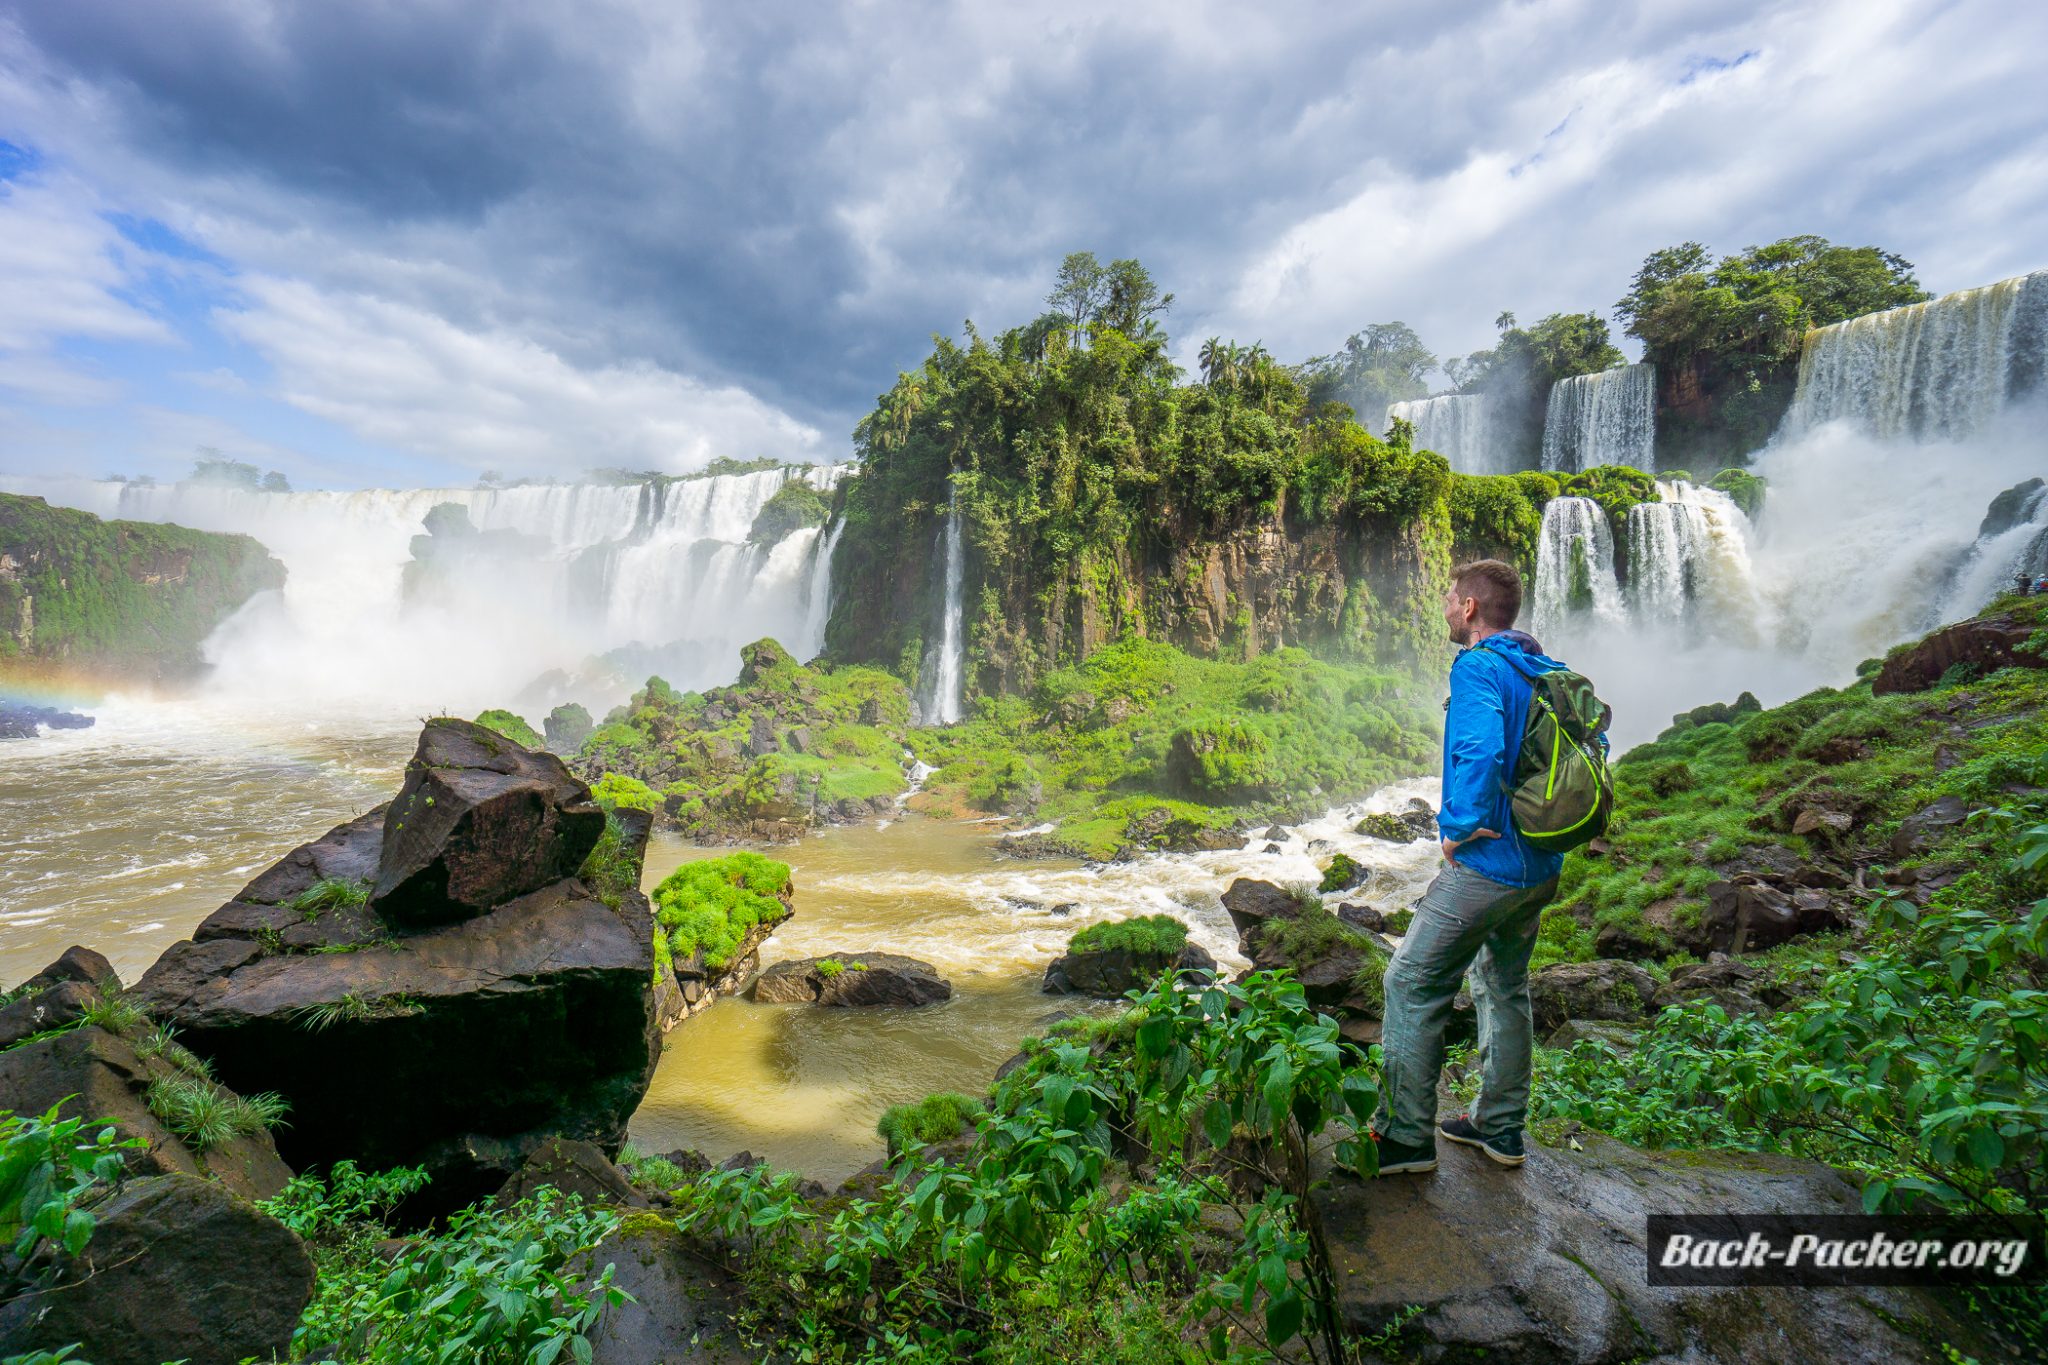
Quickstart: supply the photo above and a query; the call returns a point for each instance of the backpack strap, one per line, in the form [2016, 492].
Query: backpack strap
[1511, 739]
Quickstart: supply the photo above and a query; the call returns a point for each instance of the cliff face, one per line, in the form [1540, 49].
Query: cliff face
[1100, 498]
[117, 599]
[1356, 588]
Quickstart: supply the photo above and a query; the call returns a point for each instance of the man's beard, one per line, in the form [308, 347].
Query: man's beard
[1461, 635]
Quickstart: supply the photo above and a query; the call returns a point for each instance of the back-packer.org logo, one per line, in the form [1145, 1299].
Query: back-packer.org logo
[1843, 1249]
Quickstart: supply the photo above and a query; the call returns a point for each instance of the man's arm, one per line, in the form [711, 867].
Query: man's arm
[1475, 739]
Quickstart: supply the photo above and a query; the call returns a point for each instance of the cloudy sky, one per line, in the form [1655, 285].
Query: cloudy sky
[396, 242]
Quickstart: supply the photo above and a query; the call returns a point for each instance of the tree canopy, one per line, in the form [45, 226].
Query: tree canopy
[1385, 363]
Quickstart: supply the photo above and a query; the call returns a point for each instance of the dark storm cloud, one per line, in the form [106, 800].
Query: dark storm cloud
[454, 220]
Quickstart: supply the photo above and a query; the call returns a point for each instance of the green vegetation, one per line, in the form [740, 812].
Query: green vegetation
[1106, 740]
[935, 1118]
[1384, 364]
[568, 725]
[1744, 488]
[331, 893]
[710, 906]
[793, 507]
[1143, 935]
[1500, 516]
[511, 727]
[613, 868]
[616, 791]
[1725, 336]
[1747, 773]
[52, 1171]
[1041, 1243]
[497, 1286]
[220, 472]
[206, 1114]
[1343, 873]
[354, 1009]
[121, 598]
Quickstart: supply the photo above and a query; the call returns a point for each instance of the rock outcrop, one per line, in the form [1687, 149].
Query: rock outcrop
[178, 1268]
[1338, 964]
[852, 980]
[479, 821]
[1984, 645]
[1549, 1263]
[1109, 973]
[1605, 991]
[462, 1031]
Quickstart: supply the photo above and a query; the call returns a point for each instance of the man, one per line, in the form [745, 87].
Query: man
[1481, 912]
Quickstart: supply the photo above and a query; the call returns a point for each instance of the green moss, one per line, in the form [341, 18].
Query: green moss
[935, 1118]
[512, 727]
[612, 870]
[616, 791]
[1343, 873]
[710, 906]
[1145, 935]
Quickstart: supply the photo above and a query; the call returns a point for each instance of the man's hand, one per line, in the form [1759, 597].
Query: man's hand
[1451, 845]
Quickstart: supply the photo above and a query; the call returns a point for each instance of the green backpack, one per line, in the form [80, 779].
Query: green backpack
[1560, 791]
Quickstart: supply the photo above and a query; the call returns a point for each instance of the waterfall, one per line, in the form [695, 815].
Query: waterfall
[1688, 557]
[1604, 418]
[660, 571]
[1574, 568]
[946, 664]
[1936, 370]
[818, 591]
[1456, 426]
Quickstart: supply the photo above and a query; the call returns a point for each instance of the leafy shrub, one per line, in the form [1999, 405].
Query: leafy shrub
[1219, 1085]
[1144, 935]
[326, 1209]
[497, 1287]
[51, 1171]
[709, 906]
[511, 727]
[932, 1119]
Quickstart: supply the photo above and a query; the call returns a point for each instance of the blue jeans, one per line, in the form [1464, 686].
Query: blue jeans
[1463, 920]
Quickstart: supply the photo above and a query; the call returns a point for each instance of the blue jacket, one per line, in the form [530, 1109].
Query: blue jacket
[1489, 684]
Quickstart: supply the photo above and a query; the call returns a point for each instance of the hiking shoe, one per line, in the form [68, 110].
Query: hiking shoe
[1504, 1148]
[1398, 1158]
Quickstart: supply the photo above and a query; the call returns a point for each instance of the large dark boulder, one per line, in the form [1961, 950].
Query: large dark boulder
[1618, 992]
[457, 1038]
[1549, 1264]
[1985, 644]
[578, 1168]
[96, 1075]
[479, 821]
[683, 1310]
[1927, 826]
[1748, 915]
[852, 979]
[1109, 974]
[177, 1269]
[1251, 903]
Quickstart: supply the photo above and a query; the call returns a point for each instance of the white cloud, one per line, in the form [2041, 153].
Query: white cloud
[404, 377]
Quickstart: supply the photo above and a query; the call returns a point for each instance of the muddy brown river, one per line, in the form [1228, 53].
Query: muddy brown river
[125, 836]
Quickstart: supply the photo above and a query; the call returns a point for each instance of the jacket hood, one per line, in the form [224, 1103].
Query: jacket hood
[1520, 649]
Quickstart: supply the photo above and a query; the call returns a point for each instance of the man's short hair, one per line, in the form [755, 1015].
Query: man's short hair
[1495, 586]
